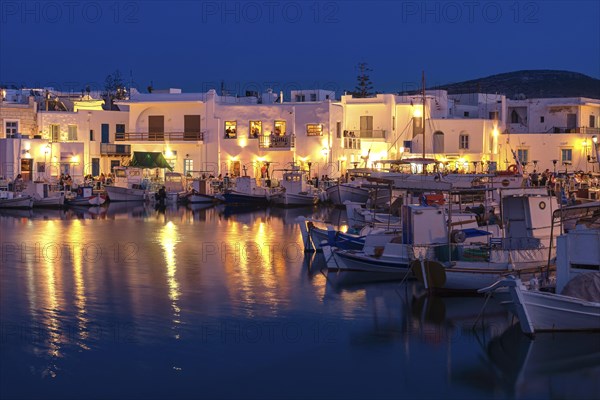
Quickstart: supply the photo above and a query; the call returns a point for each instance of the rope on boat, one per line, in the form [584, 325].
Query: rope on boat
[488, 296]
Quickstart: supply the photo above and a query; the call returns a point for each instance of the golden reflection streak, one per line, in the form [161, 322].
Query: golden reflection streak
[168, 239]
[351, 300]
[77, 249]
[49, 256]
[255, 267]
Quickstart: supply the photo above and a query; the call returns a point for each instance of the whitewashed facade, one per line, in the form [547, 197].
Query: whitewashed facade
[212, 134]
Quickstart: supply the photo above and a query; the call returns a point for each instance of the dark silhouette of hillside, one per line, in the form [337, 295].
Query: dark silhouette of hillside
[530, 84]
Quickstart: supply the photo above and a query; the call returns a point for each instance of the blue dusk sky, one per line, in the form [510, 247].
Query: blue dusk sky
[253, 45]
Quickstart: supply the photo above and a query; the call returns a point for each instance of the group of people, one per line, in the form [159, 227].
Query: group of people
[230, 133]
[577, 180]
[65, 182]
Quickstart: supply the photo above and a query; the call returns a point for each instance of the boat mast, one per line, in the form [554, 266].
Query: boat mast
[423, 123]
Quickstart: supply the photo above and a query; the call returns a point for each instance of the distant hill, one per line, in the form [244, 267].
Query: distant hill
[530, 84]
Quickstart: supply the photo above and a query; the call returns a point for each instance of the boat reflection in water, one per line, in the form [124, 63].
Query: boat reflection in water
[561, 365]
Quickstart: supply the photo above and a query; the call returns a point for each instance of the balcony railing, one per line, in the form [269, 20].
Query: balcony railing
[352, 143]
[582, 130]
[368, 134]
[110, 149]
[273, 142]
[159, 136]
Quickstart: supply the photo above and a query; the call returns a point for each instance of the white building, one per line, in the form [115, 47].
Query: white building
[555, 115]
[212, 134]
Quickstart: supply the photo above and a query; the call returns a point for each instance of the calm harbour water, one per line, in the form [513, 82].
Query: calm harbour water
[130, 302]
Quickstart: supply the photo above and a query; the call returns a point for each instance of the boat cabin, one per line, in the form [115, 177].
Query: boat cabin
[174, 182]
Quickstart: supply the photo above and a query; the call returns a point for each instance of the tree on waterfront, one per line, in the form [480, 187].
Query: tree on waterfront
[364, 88]
[114, 87]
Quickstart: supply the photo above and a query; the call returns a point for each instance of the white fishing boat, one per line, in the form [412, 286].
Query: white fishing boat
[247, 192]
[523, 247]
[295, 190]
[175, 187]
[577, 307]
[201, 192]
[358, 216]
[84, 196]
[12, 200]
[339, 194]
[314, 235]
[129, 185]
[346, 267]
[44, 195]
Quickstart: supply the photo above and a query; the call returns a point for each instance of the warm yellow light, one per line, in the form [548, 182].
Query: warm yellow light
[169, 153]
[495, 132]
[324, 143]
[401, 149]
[418, 112]
[242, 142]
[46, 149]
[27, 154]
[75, 159]
[595, 139]
[343, 158]
[325, 151]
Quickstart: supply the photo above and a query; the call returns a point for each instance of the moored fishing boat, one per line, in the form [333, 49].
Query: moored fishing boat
[246, 192]
[523, 248]
[85, 196]
[128, 185]
[10, 200]
[295, 190]
[201, 192]
[45, 195]
[340, 193]
[575, 304]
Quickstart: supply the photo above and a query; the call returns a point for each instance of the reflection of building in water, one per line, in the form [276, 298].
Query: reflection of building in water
[168, 239]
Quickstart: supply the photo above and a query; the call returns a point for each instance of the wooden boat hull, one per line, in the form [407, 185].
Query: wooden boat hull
[552, 312]
[200, 198]
[345, 268]
[96, 200]
[50, 202]
[17, 202]
[293, 199]
[116, 193]
[234, 197]
[338, 194]
[543, 311]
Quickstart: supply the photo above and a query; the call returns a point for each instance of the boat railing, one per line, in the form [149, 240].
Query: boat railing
[453, 252]
[481, 251]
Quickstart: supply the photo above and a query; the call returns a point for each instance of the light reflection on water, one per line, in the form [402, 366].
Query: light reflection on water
[220, 302]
